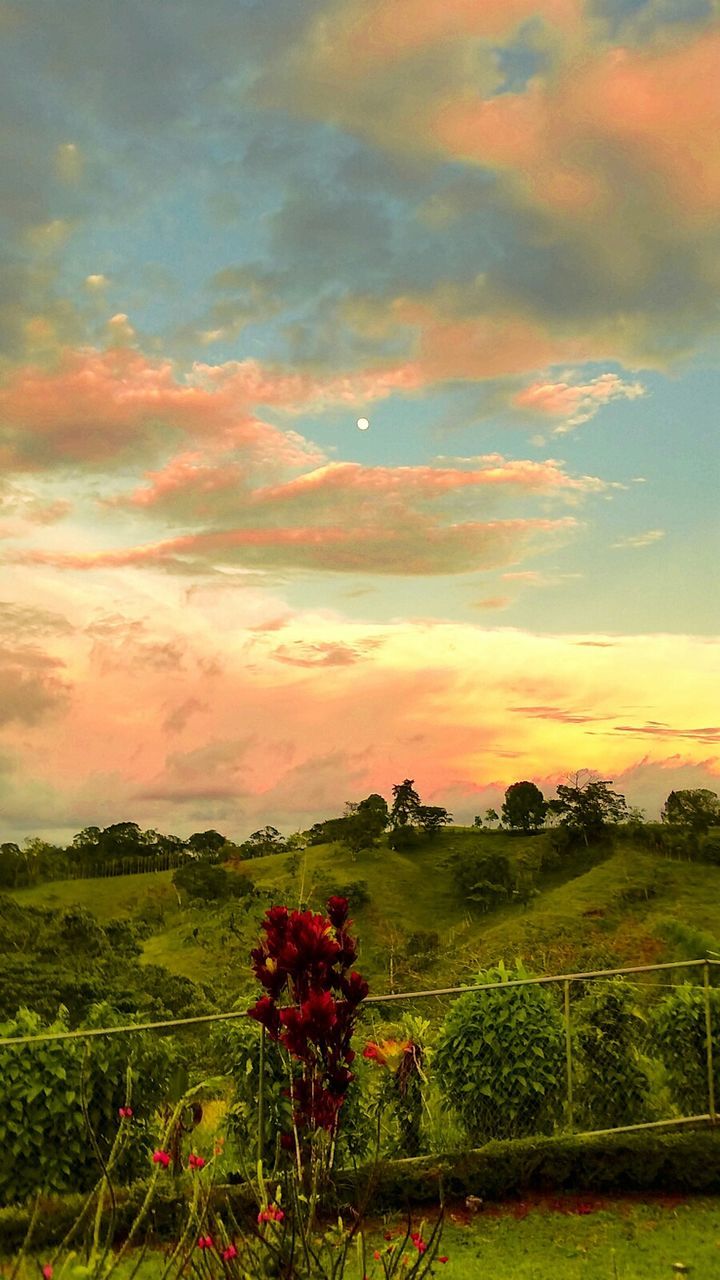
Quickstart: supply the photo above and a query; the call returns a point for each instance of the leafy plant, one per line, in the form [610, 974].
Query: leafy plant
[500, 1058]
[613, 1085]
[56, 1091]
[679, 1032]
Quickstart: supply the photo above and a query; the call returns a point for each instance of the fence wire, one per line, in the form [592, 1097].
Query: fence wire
[606, 1051]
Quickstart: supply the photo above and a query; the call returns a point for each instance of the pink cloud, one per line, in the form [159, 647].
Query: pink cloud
[659, 109]
[98, 407]
[575, 403]
[417, 545]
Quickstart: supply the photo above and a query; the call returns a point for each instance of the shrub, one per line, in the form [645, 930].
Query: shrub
[614, 1085]
[500, 1058]
[679, 1032]
[42, 1122]
[235, 1048]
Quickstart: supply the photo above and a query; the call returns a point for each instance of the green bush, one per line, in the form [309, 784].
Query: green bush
[681, 1163]
[613, 1086]
[42, 1125]
[500, 1059]
[679, 1033]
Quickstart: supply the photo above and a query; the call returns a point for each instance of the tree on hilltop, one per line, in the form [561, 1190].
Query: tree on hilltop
[406, 803]
[524, 808]
[587, 805]
[698, 809]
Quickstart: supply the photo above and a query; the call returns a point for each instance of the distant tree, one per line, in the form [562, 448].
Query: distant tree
[12, 865]
[211, 883]
[477, 820]
[263, 842]
[206, 844]
[553, 812]
[378, 806]
[524, 808]
[491, 815]
[406, 803]
[588, 806]
[431, 818]
[697, 809]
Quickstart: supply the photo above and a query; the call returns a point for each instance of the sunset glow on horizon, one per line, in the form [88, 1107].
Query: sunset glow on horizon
[359, 375]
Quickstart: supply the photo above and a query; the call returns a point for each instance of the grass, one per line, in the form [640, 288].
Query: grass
[567, 1238]
[612, 1239]
[614, 907]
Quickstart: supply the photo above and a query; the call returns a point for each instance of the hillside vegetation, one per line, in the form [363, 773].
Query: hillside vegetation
[612, 905]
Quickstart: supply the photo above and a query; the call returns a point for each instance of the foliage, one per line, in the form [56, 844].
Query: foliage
[697, 809]
[406, 803]
[235, 1048]
[263, 842]
[402, 839]
[614, 1085]
[500, 1058]
[679, 1033]
[211, 883]
[484, 878]
[47, 1085]
[432, 817]
[587, 805]
[66, 957]
[524, 807]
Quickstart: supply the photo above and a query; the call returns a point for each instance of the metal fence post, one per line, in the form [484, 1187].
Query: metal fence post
[709, 1043]
[568, 1056]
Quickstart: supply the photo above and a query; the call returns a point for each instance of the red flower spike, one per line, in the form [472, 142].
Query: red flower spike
[161, 1157]
[47, 1271]
[337, 909]
[230, 1253]
[196, 1162]
[206, 1242]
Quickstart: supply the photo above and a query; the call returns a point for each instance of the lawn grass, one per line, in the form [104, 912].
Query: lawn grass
[540, 1238]
[610, 1239]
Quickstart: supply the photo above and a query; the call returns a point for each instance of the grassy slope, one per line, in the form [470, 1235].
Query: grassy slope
[586, 916]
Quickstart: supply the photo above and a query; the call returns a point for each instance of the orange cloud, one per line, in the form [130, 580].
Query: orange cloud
[98, 407]
[575, 403]
[659, 111]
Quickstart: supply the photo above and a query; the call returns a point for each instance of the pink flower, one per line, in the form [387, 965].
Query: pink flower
[418, 1241]
[273, 1214]
[125, 1112]
[205, 1242]
[47, 1271]
[161, 1157]
[230, 1252]
[196, 1162]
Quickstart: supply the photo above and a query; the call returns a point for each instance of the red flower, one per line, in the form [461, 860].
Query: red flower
[337, 909]
[125, 1112]
[418, 1241]
[265, 1012]
[161, 1157]
[196, 1162]
[443, 1259]
[47, 1271]
[376, 1255]
[272, 1214]
[206, 1242]
[230, 1252]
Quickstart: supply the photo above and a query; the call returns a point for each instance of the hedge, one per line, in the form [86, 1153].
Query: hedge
[686, 1163]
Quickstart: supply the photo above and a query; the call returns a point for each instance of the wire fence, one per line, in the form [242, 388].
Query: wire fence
[606, 1051]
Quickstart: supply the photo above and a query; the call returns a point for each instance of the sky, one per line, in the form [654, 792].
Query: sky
[228, 232]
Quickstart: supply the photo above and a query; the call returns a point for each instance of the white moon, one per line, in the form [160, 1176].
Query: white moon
[363, 424]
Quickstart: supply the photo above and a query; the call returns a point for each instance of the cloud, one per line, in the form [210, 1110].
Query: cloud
[100, 408]
[575, 403]
[636, 540]
[456, 706]
[491, 602]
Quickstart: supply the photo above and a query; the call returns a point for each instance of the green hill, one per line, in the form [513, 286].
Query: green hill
[617, 905]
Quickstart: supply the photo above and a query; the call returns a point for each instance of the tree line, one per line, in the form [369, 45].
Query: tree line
[584, 806]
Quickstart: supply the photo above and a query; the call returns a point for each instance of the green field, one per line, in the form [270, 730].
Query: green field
[618, 907]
